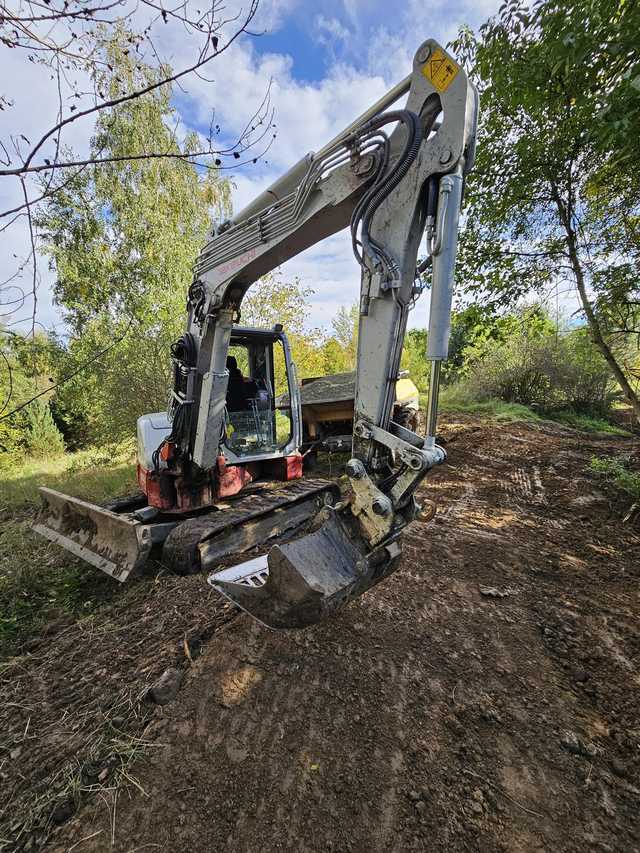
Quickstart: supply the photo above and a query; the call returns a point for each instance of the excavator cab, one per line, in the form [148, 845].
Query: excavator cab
[261, 374]
[257, 427]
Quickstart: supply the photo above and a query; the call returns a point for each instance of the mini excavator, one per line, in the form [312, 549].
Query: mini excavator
[395, 174]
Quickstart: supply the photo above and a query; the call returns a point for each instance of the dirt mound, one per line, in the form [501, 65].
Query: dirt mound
[484, 698]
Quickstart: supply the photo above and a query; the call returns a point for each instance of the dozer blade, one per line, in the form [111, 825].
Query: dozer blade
[116, 544]
[298, 583]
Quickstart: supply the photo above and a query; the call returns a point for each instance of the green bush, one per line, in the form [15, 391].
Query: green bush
[538, 367]
[580, 375]
[43, 439]
[616, 470]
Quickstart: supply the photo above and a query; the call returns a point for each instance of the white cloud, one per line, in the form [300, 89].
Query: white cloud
[307, 115]
[329, 29]
[271, 14]
[375, 51]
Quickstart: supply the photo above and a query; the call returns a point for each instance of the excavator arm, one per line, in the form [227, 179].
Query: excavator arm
[389, 176]
[385, 176]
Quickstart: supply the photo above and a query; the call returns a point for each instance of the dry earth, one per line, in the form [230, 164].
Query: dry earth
[484, 698]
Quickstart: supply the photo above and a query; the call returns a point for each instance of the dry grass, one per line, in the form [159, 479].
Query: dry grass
[39, 582]
[78, 653]
[73, 706]
[90, 474]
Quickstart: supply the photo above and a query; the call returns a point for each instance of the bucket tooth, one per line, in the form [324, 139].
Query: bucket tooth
[300, 582]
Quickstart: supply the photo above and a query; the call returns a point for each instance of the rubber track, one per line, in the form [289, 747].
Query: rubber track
[180, 550]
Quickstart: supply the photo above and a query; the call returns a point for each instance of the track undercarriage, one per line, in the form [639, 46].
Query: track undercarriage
[317, 559]
[120, 541]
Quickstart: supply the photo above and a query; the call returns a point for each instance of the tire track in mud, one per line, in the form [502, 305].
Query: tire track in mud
[355, 736]
[525, 484]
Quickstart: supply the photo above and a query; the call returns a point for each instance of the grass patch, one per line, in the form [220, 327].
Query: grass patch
[94, 475]
[41, 583]
[588, 423]
[494, 409]
[460, 399]
[616, 471]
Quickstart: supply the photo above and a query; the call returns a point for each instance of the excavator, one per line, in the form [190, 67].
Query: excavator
[394, 175]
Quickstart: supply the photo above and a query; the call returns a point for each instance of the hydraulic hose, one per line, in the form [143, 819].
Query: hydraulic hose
[381, 189]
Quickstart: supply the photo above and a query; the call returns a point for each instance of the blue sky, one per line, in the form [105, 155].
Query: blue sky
[326, 62]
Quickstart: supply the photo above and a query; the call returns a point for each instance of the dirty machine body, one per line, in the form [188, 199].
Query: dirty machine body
[394, 175]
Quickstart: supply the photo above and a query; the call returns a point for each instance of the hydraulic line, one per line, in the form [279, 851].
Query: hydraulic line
[381, 189]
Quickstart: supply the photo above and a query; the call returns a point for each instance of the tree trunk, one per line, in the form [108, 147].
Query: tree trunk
[592, 320]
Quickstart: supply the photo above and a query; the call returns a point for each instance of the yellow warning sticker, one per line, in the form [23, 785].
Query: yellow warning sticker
[440, 70]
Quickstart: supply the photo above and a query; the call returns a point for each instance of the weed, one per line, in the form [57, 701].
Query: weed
[616, 471]
[41, 583]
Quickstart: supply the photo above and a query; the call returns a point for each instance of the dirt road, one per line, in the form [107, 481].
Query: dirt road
[484, 698]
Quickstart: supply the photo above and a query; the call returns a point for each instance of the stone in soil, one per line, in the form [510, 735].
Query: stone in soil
[166, 687]
[574, 744]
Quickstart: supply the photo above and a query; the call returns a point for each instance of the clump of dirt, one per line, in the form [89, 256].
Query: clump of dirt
[485, 697]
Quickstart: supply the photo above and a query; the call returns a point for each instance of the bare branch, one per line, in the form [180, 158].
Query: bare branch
[62, 36]
[204, 57]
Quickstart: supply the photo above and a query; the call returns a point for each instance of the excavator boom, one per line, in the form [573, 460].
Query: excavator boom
[389, 176]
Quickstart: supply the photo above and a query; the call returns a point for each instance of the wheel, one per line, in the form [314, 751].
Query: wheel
[180, 551]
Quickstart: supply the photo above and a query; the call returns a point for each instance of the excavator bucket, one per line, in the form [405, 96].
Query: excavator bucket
[117, 544]
[298, 583]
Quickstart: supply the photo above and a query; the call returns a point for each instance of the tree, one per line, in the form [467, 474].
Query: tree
[29, 367]
[59, 48]
[538, 208]
[122, 238]
[414, 357]
[43, 438]
[599, 40]
[345, 334]
[273, 300]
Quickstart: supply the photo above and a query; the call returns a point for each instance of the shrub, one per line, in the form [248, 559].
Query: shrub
[580, 375]
[536, 367]
[43, 438]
